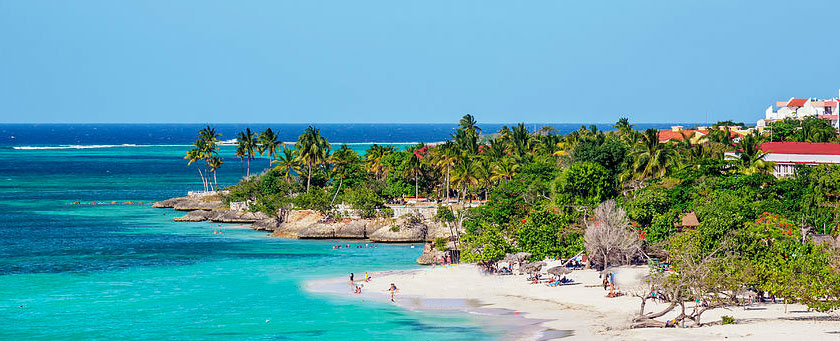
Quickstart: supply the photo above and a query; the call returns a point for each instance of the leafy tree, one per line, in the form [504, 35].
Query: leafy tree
[609, 152]
[583, 184]
[364, 200]
[317, 200]
[484, 242]
[646, 204]
[547, 234]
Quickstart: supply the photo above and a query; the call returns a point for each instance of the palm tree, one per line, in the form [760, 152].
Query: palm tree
[444, 159]
[484, 175]
[521, 139]
[413, 166]
[548, 144]
[464, 175]
[467, 134]
[268, 144]
[374, 156]
[723, 136]
[623, 126]
[749, 158]
[195, 155]
[561, 148]
[314, 151]
[504, 169]
[341, 160]
[241, 154]
[246, 143]
[209, 135]
[214, 162]
[651, 158]
[469, 125]
[205, 149]
[495, 149]
[288, 162]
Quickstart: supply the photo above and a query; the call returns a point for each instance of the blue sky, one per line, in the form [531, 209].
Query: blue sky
[411, 61]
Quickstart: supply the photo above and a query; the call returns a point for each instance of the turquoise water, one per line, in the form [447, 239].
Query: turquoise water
[82, 272]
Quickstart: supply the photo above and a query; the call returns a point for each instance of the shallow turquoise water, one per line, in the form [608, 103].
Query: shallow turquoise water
[81, 272]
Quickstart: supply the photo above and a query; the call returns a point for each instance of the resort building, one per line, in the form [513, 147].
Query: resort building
[699, 135]
[789, 155]
[801, 108]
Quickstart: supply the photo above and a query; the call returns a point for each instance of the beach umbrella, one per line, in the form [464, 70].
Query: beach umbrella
[558, 270]
[516, 257]
[532, 267]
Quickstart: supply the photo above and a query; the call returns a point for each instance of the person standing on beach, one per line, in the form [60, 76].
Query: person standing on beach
[393, 289]
[351, 278]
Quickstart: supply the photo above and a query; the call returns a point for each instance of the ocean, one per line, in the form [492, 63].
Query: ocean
[129, 271]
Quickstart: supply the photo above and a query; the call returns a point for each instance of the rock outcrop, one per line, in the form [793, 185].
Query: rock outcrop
[237, 216]
[198, 215]
[404, 231]
[223, 216]
[269, 224]
[359, 228]
[438, 230]
[310, 224]
[190, 203]
[432, 254]
[296, 221]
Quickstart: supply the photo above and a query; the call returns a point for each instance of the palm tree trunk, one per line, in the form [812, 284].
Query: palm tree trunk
[447, 184]
[249, 166]
[203, 184]
[216, 183]
[416, 190]
[340, 182]
[308, 177]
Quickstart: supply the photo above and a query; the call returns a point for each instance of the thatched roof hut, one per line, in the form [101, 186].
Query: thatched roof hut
[687, 220]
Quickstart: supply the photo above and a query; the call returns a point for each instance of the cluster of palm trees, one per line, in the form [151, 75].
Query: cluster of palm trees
[470, 164]
[249, 144]
[310, 151]
[206, 149]
[651, 158]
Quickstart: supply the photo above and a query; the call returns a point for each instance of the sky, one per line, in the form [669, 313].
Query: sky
[319, 61]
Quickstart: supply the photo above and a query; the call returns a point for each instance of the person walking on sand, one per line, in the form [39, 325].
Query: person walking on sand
[351, 278]
[393, 289]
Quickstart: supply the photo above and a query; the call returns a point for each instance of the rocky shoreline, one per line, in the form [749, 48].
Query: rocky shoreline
[308, 224]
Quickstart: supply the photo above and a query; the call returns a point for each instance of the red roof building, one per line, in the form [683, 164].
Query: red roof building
[789, 155]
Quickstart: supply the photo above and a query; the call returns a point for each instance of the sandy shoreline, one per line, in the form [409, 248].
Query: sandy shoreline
[580, 311]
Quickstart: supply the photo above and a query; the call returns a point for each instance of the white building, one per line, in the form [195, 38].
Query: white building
[801, 108]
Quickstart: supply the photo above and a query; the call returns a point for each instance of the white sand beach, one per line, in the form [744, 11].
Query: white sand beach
[585, 310]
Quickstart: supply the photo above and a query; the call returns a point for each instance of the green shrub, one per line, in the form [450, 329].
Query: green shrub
[444, 214]
[316, 199]
[385, 213]
[440, 243]
[364, 200]
[395, 228]
[727, 319]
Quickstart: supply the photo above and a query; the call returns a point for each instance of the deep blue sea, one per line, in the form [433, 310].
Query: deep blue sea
[102, 272]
